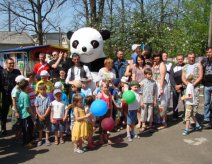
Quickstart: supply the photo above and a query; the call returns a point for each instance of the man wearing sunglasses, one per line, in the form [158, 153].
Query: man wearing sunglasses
[7, 83]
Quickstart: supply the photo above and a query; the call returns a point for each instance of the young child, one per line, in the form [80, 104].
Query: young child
[59, 113]
[64, 97]
[105, 95]
[76, 86]
[62, 79]
[91, 121]
[25, 114]
[80, 130]
[132, 111]
[189, 102]
[117, 105]
[85, 89]
[42, 106]
[15, 116]
[148, 99]
[44, 79]
[97, 89]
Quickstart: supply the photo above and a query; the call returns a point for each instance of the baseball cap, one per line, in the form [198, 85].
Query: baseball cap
[44, 73]
[116, 82]
[58, 85]
[83, 79]
[134, 83]
[124, 79]
[76, 83]
[57, 91]
[19, 78]
[134, 46]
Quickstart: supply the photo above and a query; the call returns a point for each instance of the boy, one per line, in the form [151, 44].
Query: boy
[25, 114]
[44, 79]
[42, 105]
[148, 98]
[62, 79]
[85, 89]
[189, 101]
[132, 111]
[59, 112]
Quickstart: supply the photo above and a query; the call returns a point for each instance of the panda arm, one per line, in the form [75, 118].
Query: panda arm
[68, 76]
[88, 73]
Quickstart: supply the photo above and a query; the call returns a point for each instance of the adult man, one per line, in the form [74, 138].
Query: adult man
[196, 70]
[207, 82]
[120, 64]
[7, 80]
[77, 71]
[176, 83]
[42, 65]
[56, 64]
[136, 50]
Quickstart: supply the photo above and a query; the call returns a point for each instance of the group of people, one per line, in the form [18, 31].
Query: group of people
[57, 96]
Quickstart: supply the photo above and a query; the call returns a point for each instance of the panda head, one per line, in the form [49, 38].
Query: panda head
[88, 43]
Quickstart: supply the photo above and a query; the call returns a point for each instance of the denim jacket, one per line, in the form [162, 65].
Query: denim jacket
[120, 67]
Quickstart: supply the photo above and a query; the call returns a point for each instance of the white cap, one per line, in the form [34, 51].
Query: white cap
[58, 85]
[19, 78]
[124, 79]
[44, 73]
[57, 91]
[134, 46]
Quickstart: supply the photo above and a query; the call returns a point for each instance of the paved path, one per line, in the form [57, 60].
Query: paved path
[164, 146]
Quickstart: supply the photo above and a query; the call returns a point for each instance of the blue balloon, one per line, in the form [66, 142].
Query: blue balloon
[99, 108]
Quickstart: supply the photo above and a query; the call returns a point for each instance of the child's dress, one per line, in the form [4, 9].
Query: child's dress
[80, 129]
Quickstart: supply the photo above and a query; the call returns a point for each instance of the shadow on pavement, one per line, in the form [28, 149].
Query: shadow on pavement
[11, 152]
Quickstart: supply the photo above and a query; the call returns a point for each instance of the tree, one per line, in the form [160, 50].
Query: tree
[32, 15]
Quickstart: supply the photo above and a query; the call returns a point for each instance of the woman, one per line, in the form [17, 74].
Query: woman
[107, 73]
[138, 75]
[159, 73]
[138, 69]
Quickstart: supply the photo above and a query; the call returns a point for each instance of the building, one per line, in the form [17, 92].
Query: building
[14, 39]
[55, 39]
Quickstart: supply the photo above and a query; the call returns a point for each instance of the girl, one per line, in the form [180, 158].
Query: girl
[80, 130]
[105, 95]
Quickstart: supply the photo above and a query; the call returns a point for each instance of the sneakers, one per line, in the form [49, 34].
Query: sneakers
[136, 136]
[39, 143]
[29, 146]
[205, 122]
[48, 143]
[62, 141]
[185, 132]
[198, 128]
[129, 139]
[208, 126]
[77, 150]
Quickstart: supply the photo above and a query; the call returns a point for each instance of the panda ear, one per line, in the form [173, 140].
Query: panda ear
[69, 34]
[105, 34]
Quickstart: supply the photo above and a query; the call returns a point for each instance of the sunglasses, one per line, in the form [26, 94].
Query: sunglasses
[11, 63]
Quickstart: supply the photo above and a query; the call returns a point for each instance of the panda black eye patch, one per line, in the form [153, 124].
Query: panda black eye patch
[75, 43]
[95, 43]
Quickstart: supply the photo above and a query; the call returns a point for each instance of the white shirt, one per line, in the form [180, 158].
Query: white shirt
[58, 109]
[77, 73]
[106, 75]
[168, 68]
[136, 105]
[190, 91]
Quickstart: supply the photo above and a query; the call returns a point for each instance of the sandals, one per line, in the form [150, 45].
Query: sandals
[142, 129]
[62, 141]
[56, 142]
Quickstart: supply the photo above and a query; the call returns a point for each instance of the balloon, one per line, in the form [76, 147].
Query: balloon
[99, 108]
[51, 96]
[107, 124]
[129, 96]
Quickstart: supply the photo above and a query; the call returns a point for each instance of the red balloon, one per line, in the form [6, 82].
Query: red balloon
[107, 124]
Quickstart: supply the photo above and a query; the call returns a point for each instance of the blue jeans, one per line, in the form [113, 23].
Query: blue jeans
[207, 103]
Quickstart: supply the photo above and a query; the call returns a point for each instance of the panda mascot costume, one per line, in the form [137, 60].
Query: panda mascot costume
[88, 43]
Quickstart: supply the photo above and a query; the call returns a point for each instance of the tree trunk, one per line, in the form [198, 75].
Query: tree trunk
[39, 24]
